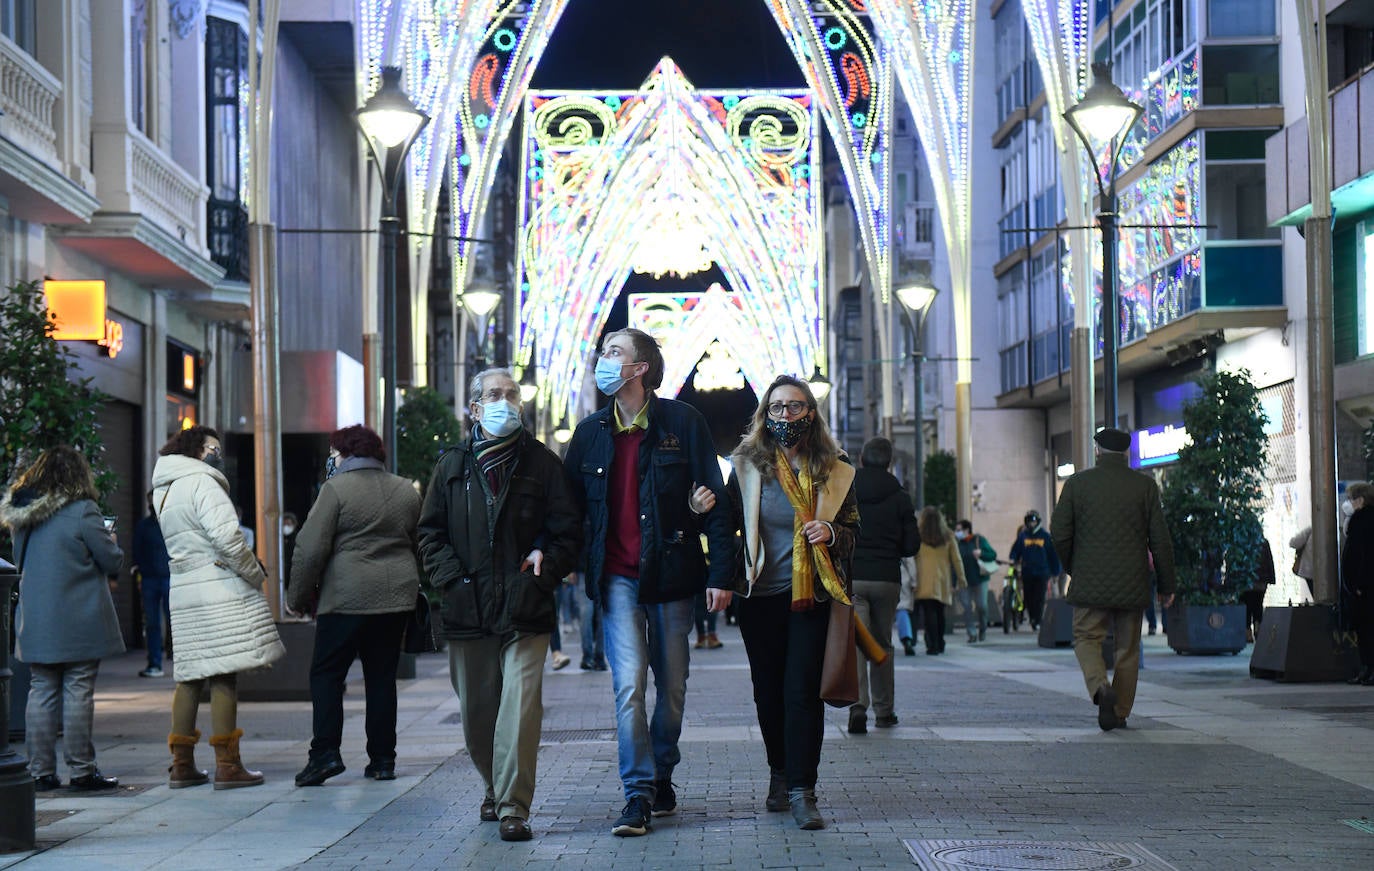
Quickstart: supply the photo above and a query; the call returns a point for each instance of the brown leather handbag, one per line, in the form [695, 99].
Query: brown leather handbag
[840, 668]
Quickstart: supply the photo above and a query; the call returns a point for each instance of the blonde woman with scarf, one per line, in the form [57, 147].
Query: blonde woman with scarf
[792, 491]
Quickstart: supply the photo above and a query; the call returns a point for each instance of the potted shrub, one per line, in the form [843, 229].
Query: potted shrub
[1211, 502]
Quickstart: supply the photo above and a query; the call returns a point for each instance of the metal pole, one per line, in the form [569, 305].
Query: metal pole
[17, 818]
[1106, 219]
[391, 229]
[1321, 408]
[266, 326]
[918, 428]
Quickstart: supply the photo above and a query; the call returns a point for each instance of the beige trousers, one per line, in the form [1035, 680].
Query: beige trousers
[500, 684]
[1089, 631]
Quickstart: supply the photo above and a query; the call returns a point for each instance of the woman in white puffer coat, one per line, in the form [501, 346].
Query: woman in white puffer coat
[220, 618]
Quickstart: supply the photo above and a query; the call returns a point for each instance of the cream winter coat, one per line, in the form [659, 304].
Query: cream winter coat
[220, 618]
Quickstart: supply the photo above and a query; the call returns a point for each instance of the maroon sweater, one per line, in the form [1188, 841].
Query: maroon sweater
[622, 502]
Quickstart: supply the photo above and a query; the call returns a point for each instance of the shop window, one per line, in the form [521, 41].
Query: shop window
[1229, 19]
[1235, 202]
[1240, 75]
[17, 22]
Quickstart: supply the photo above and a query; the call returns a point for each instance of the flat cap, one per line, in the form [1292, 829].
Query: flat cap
[1112, 439]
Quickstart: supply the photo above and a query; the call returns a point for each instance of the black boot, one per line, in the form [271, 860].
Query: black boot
[804, 809]
[1360, 677]
[777, 792]
[908, 647]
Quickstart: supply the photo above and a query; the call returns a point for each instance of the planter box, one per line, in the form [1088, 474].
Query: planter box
[287, 679]
[1056, 624]
[1206, 629]
[1303, 643]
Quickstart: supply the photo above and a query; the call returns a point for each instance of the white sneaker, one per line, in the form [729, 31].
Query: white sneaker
[560, 660]
[150, 672]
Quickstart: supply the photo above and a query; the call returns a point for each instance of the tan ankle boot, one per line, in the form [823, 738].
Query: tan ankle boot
[183, 772]
[229, 770]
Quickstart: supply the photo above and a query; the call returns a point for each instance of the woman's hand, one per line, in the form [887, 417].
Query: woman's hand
[818, 532]
[702, 499]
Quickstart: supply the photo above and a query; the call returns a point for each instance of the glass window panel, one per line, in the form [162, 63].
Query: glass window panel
[1240, 75]
[1236, 144]
[1235, 202]
[1238, 18]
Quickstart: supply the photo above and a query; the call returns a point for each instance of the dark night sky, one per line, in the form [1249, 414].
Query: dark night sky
[717, 43]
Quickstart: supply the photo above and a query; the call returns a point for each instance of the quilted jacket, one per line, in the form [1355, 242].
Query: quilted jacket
[65, 610]
[1107, 524]
[356, 552]
[220, 618]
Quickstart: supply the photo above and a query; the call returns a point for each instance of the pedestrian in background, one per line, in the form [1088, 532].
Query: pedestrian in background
[1302, 557]
[155, 581]
[1357, 574]
[1108, 524]
[645, 470]
[977, 556]
[589, 624]
[66, 622]
[705, 620]
[498, 533]
[220, 618]
[354, 567]
[887, 533]
[939, 573]
[798, 517]
[906, 618]
[1037, 562]
[1253, 598]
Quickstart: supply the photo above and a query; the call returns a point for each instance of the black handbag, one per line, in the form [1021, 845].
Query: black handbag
[419, 634]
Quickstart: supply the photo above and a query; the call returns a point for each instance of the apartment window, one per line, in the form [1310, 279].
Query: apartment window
[1240, 75]
[142, 68]
[1229, 19]
[17, 22]
[226, 76]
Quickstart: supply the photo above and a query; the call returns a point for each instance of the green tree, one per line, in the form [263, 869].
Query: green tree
[1212, 494]
[425, 426]
[939, 489]
[41, 405]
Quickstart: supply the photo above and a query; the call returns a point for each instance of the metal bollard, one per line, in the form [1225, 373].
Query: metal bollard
[17, 829]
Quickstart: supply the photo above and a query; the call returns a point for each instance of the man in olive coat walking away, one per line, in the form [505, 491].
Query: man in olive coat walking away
[1108, 523]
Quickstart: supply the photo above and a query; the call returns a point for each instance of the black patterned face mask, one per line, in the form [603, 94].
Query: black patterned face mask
[789, 432]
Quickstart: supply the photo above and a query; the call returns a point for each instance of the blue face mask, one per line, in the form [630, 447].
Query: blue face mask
[608, 377]
[500, 418]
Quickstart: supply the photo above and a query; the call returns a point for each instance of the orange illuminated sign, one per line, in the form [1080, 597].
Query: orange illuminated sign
[77, 308]
[188, 371]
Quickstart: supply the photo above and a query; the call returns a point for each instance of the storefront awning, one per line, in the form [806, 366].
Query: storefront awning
[136, 246]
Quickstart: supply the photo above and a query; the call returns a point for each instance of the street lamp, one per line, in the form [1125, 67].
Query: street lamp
[820, 385]
[481, 299]
[389, 122]
[1102, 120]
[916, 300]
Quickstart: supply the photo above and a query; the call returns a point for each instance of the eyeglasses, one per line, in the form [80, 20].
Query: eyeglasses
[496, 395]
[795, 407]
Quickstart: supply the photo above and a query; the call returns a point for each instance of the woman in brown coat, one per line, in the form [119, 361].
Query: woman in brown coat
[939, 572]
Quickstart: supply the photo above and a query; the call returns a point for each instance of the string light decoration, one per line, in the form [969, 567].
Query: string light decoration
[601, 170]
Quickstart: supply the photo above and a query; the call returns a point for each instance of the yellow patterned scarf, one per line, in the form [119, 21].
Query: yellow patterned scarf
[808, 560]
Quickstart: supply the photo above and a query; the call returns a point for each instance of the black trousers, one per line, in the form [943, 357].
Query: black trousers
[1033, 588]
[932, 613]
[1362, 620]
[786, 649]
[340, 639]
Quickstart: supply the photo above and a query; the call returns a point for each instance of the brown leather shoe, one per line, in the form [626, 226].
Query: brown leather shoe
[229, 770]
[183, 771]
[515, 829]
[487, 813]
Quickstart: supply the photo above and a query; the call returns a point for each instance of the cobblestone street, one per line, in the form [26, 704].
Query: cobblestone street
[997, 743]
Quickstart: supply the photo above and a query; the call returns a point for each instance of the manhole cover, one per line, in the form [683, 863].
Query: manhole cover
[566, 736]
[1032, 856]
[1331, 709]
[45, 818]
[1363, 825]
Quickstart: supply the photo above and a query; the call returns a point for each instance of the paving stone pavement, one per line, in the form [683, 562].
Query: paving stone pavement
[997, 742]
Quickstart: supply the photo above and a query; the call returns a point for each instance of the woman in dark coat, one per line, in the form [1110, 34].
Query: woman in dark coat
[354, 567]
[1357, 574]
[66, 622]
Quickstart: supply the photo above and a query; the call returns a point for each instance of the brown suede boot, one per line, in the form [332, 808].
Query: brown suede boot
[183, 772]
[229, 770]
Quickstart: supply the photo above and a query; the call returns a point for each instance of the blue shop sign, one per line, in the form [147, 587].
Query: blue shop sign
[1157, 445]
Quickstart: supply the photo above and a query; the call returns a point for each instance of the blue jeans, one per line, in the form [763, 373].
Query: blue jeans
[638, 638]
[154, 610]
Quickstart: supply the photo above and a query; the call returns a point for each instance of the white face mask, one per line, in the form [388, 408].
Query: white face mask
[288, 530]
[1347, 508]
[500, 418]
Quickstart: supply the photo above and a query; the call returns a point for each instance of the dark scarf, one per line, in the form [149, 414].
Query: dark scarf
[495, 458]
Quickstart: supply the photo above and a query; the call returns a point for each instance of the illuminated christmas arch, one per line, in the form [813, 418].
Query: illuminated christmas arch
[605, 174]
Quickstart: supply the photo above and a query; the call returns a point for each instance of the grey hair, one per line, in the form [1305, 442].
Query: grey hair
[475, 385]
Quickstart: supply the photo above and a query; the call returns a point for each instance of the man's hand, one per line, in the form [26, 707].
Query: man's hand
[702, 500]
[1166, 601]
[718, 600]
[536, 559]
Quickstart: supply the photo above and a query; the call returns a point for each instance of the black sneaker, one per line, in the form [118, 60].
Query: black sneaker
[665, 799]
[94, 782]
[1105, 697]
[634, 819]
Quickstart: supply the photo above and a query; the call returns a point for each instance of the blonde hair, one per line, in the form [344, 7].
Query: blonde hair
[818, 449]
[61, 470]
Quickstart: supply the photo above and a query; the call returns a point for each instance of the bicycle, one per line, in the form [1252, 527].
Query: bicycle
[1013, 606]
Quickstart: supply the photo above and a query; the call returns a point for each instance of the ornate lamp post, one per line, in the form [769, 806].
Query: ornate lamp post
[916, 300]
[389, 122]
[1102, 119]
[820, 385]
[481, 299]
